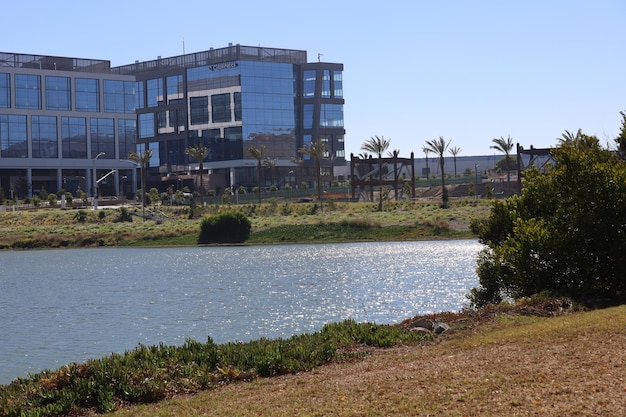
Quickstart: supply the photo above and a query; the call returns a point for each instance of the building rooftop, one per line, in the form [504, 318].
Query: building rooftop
[216, 56]
[13, 60]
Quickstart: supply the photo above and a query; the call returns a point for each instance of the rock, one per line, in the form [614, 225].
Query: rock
[441, 328]
[420, 330]
[423, 323]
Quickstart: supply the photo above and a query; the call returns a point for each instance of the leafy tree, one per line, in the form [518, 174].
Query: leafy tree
[316, 151]
[143, 159]
[199, 152]
[377, 145]
[454, 151]
[440, 146]
[505, 146]
[258, 154]
[564, 235]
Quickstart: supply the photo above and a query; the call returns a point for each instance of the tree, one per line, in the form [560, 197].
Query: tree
[569, 137]
[440, 146]
[621, 139]
[199, 152]
[271, 164]
[143, 159]
[505, 146]
[426, 152]
[394, 155]
[454, 151]
[258, 154]
[564, 235]
[377, 145]
[316, 152]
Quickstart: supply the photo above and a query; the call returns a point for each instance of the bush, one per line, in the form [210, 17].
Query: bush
[563, 236]
[227, 227]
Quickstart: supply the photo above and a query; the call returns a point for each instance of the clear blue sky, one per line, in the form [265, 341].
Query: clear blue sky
[413, 70]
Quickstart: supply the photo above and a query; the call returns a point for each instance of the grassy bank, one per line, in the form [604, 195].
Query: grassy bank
[506, 364]
[272, 222]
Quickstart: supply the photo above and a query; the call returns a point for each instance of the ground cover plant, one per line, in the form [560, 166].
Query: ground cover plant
[152, 373]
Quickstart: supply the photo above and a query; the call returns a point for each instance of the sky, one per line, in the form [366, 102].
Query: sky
[414, 70]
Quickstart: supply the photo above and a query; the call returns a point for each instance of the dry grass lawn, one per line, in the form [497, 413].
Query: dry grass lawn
[505, 365]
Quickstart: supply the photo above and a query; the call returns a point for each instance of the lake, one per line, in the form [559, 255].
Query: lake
[70, 305]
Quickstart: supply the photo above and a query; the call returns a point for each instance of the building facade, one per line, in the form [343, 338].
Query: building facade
[62, 119]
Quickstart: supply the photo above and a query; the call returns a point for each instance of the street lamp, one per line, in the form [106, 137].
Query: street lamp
[123, 193]
[95, 181]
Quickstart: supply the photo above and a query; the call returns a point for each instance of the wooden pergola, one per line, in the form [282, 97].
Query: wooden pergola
[367, 173]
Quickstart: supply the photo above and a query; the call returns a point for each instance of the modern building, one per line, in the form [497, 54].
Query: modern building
[62, 119]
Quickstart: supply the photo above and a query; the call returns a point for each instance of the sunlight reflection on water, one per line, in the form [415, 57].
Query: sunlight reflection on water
[62, 306]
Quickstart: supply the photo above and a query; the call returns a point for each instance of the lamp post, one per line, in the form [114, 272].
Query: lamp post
[95, 182]
[122, 192]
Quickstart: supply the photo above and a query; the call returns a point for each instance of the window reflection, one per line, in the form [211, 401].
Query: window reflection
[44, 137]
[13, 141]
[27, 91]
[58, 95]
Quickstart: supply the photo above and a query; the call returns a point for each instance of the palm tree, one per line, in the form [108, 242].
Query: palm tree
[297, 161]
[454, 151]
[394, 155]
[426, 152]
[440, 146]
[271, 164]
[377, 145]
[258, 154]
[570, 137]
[505, 146]
[316, 151]
[143, 159]
[199, 152]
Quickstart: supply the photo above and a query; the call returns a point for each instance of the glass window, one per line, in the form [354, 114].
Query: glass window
[155, 92]
[326, 84]
[161, 119]
[126, 132]
[102, 138]
[13, 140]
[307, 122]
[309, 83]
[199, 107]
[338, 84]
[220, 108]
[119, 96]
[44, 137]
[146, 125]
[87, 94]
[27, 91]
[331, 115]
[139, 98]
[174, 88]
[74, 137]
[58, 96]
[5, 91]
[306, 139]
[177, 118]
[237, 100]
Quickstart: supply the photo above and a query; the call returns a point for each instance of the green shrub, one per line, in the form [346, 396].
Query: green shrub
[227, 227]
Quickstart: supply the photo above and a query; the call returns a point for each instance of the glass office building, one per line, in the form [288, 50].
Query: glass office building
[67, 121]
[62, 120]
[231, 99]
